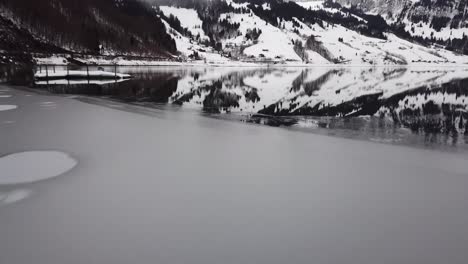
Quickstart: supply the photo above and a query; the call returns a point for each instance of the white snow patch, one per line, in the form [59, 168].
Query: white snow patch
[33, 166]
[7, 107]
[14, 196]
[52, 60]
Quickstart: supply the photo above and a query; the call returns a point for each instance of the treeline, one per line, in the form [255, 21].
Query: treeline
[94, 26]
[455, 44]
[280, 10]
[215, 28]
[13, 40]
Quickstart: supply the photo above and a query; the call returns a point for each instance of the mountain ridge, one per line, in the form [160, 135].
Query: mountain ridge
[228, 31]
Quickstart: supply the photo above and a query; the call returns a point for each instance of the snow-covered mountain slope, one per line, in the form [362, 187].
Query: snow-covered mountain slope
[247, 31]
[436, 19]
[300, 42]
[383, 7]
[272, 42]
[188, 18]
[190, 50]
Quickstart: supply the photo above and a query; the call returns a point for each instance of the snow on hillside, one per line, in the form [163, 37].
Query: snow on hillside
[188, 47]
[302, 33]
[403, 11]
[319, 5]
[271, 44]
[296, 43]
[335, 44]
[313, 5]
[422, 29]
[188, 19]
[350, 47]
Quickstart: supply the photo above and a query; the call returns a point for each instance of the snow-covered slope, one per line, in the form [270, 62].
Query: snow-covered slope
[188, 18]
[272, 43]
[188, 47]
[442, 20]
[422, 18]
[299, 42]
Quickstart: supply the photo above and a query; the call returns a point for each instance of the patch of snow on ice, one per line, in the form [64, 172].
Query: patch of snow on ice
[33, 166]
[7, 107]
[14, 196]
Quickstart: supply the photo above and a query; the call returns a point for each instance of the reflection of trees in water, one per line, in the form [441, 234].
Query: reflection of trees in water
[393, 73]
[220, 94]
[454, 123]
[430, 116]
[17, 75]
[311, 86]
[216, 99]
[434, 118]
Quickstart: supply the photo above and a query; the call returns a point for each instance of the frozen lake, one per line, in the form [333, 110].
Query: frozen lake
[422, 107]
[173, 167]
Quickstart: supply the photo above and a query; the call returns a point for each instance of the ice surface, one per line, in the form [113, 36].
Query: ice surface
[178, 187]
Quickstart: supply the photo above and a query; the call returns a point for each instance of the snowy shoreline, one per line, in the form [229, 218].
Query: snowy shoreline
[61, 61]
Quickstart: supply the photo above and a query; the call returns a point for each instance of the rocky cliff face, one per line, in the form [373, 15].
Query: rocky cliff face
[436, 14]
[442, 22]
[439, 14]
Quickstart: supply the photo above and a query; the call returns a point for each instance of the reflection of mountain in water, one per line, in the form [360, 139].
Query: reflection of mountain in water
[442, 109]
[154, 87]
[433, 100]
[427, 99]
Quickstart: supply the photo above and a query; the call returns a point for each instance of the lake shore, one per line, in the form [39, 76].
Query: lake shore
[176, 187]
